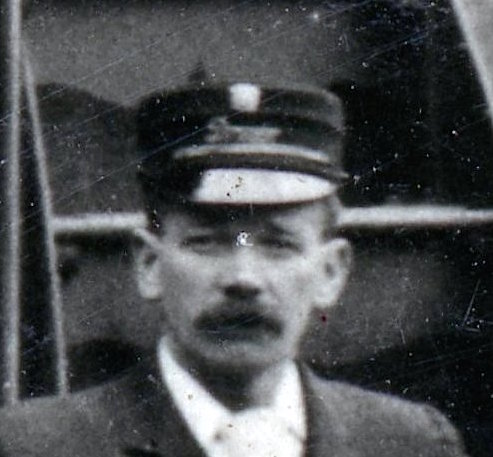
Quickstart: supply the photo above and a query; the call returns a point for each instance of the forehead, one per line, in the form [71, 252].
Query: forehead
[291, 219]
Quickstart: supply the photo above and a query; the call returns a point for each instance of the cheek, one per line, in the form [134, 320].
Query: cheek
[186, 277]
[296, 279]
[302, 270]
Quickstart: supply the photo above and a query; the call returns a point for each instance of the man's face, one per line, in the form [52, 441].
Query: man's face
[238, 291]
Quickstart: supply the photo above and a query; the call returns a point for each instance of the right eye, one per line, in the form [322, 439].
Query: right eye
[200, 243]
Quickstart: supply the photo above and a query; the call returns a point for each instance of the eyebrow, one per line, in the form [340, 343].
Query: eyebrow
[203, 226]
[209, 217]
[277, 228]
[214, 220]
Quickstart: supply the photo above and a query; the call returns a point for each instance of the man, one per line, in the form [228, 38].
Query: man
[240, 184]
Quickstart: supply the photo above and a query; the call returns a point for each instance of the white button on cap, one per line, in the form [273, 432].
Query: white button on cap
[245, 97]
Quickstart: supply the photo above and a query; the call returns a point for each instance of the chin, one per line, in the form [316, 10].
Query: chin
[242, 358]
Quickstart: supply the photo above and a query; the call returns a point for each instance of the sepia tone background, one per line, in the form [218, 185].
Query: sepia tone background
[416, 318]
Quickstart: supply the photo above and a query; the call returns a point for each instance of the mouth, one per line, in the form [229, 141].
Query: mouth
[241, 326]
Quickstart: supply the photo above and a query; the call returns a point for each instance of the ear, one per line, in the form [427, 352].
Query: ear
[148, 269]
[335, 266]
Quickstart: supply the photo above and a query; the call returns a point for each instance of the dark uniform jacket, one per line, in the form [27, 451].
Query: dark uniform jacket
[135, 416]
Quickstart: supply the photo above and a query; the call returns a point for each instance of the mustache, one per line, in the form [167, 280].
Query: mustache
[225, 320]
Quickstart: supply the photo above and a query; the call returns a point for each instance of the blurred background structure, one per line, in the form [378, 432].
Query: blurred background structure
[415, 77]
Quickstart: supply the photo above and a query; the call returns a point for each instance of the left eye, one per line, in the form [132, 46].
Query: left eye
[280, 244]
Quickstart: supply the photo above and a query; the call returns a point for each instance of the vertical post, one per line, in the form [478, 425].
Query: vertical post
[44, 261]
[10, 137]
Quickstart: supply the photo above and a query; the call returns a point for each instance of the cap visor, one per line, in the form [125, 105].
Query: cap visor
[260, 187]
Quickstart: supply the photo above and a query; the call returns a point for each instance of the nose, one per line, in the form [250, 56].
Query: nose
[241, 290]
[243, 280]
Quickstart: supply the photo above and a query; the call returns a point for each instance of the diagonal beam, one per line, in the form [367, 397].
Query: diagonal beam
[38, 259]
[476, 20]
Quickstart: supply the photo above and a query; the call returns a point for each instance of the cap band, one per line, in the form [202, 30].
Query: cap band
[279, 151]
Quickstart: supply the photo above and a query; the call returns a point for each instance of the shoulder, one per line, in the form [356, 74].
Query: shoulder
[370, 417]
[42, 426]
[91, 422]
[88, 422]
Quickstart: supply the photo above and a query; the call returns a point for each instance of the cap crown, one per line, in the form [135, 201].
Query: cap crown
[241, 144]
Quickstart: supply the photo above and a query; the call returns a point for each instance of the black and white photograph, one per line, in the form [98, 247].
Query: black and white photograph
[244, 228]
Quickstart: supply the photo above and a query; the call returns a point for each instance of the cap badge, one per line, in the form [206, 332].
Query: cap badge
[219, 130]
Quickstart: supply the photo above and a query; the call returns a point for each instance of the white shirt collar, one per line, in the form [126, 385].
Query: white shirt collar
[204, 414]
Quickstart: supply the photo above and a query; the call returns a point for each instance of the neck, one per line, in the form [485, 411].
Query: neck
[241, 390]
[236, 389]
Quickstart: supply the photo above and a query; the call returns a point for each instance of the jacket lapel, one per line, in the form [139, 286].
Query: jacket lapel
[146, 421]
[149, 425]
[328, 429]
